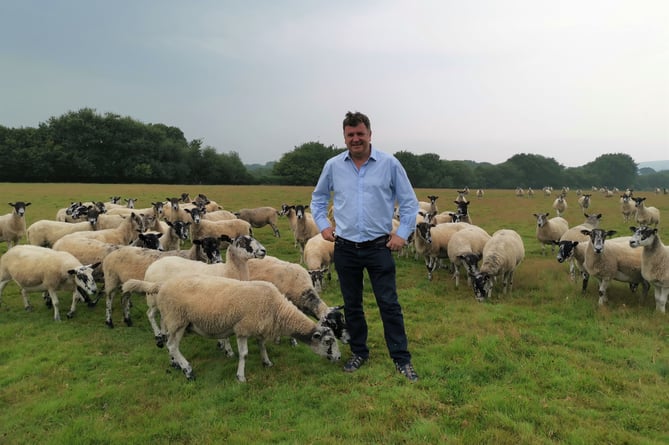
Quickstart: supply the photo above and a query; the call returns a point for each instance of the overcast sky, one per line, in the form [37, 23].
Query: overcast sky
[474, 80]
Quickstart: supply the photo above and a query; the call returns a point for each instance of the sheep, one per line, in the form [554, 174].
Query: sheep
[202, 228]
[217, 307]
[471, 239]
[618, 261]
[584, 201]
[462, 212]
[71, 213]
[318, 256]
[646, 216]
[549, 230]
[560, 204]
[431, 241]
[86, 250]
[627, 207]
[501, 255]
[305, 228]
[431, 205]
[239, 252]
[567, 246]
[217, 215]
[174, 212]
[260, 217]
[46, 232]
[654, 262]
[173, 232]
[289, 212]
[122, 235]
[13, 224]
[36, 268]
[479, 193]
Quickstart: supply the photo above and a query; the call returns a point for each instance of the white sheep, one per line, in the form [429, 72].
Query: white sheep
[122, 235]
[654, 262]
[560, 204]
[129, 262]
[646, 216]
[202, 228]
[46, 232]
[469, 240]
[260, 217]
[549, 231]
[239, 252]
[13, 224]
[289, 212]
[567, 246]
[627, 207]
[173, 232]
[36, 268]
[502, 254]
[431, 242]
[217, 307]
[318, 256]
[612, 261]
[584, 201]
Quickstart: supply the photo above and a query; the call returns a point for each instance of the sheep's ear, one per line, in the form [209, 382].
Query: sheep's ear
[28, 203]
[225, 238]
[317, 335]
[94, 265]
[633, 229]
[71, 271]
[611, 232]
[585, 232]
[337, 308]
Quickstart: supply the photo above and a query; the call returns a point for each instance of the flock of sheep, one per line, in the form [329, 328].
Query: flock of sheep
[191, 288]
[253, 294]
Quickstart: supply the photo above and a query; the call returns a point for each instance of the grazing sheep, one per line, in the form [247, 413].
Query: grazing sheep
[646, 216]
[431, 241]
[618, 261]
[122, 235]
[239, 252]
[502, 254]
[654, 262]
[549, 231]
[217, 307]
[13, 225]
[584, 201]
[560, 204]
[36, 268]
[318, 256]
[469, 240]
[627, 207]
[260, 217]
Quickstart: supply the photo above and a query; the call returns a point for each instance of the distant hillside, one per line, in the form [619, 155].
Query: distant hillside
[655, 165]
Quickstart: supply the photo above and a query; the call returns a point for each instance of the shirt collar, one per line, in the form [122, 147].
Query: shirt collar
[372, 154]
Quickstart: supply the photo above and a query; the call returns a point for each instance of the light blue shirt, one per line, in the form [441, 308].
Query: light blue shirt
[364, 200]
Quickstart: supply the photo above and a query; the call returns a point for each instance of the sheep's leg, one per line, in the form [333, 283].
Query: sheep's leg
[108, 307]
[243, 350]
[26, 302]
[456, 275]
[54, 299]
[127, 304]
[572, 270]
[661, 294]
[3, 283]
[276, 230]
[263, 354]
[586, 278]
[73, 307]
[224, 344]
[603, 285]
[177, 359]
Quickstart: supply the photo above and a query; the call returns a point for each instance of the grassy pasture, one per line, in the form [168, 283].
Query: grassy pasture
[543, 365]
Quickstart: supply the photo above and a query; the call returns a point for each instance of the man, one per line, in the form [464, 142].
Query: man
[366, 183]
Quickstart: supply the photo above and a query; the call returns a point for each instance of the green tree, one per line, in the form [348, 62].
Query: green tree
[612, 170]
[303, 165]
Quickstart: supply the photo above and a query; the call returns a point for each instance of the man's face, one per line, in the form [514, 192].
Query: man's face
[358, 140]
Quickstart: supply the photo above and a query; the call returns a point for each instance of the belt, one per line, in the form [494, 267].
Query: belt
[382, 240]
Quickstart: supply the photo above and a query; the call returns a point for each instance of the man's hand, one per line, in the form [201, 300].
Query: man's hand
[328, 234]
[395, 242]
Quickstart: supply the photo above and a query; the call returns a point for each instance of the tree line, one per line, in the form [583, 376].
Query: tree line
[84, 146]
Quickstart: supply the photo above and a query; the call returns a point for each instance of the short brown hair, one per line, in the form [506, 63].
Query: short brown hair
[355, 119]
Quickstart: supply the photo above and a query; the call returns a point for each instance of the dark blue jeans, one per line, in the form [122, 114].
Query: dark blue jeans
[350, 262]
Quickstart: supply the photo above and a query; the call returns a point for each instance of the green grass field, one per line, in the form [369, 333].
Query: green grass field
[543, 365]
